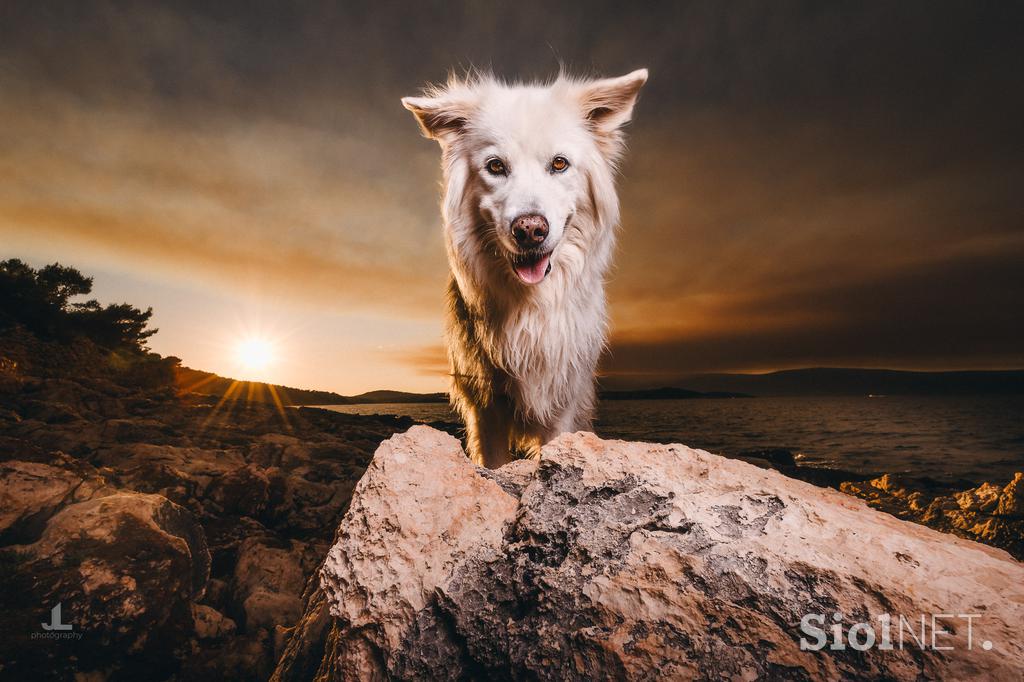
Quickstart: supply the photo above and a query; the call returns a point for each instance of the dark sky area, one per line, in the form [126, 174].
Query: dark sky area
[807, 184]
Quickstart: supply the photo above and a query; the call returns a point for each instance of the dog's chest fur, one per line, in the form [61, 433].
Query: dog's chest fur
[540, 351]
[549, 352]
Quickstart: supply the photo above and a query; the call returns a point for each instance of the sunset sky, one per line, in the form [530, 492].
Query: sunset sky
[806, 185]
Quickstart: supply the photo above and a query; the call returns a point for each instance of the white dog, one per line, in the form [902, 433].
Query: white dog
[530, 214]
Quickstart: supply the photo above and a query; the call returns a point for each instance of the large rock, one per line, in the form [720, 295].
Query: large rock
[32, 492]
[126, 568]
[616, 560]
[268, 582]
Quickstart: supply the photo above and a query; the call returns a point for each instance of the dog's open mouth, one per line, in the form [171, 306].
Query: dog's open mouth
[532, 267]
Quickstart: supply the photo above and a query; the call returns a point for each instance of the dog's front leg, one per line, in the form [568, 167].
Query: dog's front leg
[488, 429]
[535, 436]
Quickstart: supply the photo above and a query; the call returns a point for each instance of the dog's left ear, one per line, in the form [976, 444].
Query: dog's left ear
[608, 103]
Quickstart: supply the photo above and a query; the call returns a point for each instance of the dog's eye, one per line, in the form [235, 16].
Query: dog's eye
[496, 167]
[559, 164]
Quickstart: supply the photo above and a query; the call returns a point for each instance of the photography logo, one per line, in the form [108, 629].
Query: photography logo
[57, 628]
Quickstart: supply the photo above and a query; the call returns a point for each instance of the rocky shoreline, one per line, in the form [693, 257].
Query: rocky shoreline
[178, 533]
[181, 534]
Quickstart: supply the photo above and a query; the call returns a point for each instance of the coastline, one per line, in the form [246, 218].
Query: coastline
[235, 504]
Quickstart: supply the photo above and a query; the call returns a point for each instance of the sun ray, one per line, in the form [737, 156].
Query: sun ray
[280, 406]
[228, 396]
[196, 385]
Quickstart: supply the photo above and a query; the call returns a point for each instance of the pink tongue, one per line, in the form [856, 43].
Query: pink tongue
[531, 273]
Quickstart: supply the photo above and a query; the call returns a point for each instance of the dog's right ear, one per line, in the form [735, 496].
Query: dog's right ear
[441, 118]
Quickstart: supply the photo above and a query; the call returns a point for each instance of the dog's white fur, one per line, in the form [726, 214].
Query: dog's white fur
[523, 356]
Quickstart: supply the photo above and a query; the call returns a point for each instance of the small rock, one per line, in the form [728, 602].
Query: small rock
[1011, 501]
[779, 456]
[268, 582]
[210, 623]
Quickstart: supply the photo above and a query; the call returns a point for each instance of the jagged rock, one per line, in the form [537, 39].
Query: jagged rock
[125, 567]
[777, 456]
[239, 659]
[268, 581]
[138, 430]
[989, 513]
[217, 594]
[615, 560]
[302, 653]
[1011, 501]
[78, 438]
[210, 623]
[244, 491]
[49, 412]
[32, 492]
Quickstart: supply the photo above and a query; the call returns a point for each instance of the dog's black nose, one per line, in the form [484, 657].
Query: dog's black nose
[530, 230]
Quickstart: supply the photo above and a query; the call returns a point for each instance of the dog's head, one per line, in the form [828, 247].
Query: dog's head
[528, 168]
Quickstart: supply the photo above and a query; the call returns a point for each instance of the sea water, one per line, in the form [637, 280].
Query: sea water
[978, 438]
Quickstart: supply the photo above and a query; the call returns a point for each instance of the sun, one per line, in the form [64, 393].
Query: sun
[255, 354]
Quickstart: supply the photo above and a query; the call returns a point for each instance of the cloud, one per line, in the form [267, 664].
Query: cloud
[222, 200]
[805, 185]
[426, 360]
[957, 313]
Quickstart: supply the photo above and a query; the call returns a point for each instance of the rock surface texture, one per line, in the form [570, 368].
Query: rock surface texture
[621, 560]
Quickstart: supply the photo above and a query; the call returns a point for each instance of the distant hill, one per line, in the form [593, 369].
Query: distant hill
[198, 381]
[666, 393]
[398, 397]
[835, 381]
